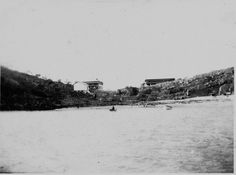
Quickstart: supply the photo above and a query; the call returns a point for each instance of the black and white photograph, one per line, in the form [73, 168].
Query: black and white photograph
[117, 86]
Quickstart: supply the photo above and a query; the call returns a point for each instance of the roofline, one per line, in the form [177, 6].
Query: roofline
[90, 82]
[161, 79]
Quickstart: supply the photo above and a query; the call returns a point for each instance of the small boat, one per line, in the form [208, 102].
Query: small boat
[113, 109]
[149, 105]
[166, 107]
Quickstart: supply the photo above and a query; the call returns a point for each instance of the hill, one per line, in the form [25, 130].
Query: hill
[213, 83]
[20, 91]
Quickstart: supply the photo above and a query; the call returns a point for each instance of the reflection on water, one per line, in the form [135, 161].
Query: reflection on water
[188, 138]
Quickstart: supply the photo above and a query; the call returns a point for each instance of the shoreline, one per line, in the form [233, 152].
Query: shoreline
[199, 99]
[149, 104]
[161, 103]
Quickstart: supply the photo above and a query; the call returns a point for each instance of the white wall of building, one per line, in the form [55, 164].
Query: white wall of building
[80, 86]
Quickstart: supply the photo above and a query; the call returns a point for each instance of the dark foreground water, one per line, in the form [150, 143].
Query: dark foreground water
[195, 137]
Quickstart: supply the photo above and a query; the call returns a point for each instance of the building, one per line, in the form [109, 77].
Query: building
[80, 86]
[94, 85]
[87, 86]
[151, 82]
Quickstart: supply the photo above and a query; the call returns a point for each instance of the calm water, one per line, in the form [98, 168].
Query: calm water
[189, 138]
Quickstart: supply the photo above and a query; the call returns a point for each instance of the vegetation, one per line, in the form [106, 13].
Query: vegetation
[20, 91]
[214, 83]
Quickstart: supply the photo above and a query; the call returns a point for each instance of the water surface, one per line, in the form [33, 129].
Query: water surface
[196, 137]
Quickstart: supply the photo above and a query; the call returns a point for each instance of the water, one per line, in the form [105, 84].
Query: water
[196, 137]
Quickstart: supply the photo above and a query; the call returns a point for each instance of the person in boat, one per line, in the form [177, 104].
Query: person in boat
[113, 108]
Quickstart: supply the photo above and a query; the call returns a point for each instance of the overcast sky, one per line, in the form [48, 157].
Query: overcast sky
[120, 42]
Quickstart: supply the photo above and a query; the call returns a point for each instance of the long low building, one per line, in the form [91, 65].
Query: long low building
[151, 82]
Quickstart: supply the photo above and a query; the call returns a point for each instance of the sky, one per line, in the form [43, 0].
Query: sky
[120, 42]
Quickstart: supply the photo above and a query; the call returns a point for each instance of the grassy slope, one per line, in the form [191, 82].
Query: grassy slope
[200, 85]
[20, 91]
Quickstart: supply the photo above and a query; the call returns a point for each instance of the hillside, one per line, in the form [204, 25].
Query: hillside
[20, 91]
[214, 83]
